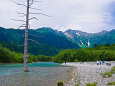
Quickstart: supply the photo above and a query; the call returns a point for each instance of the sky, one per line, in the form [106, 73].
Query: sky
[86, 15]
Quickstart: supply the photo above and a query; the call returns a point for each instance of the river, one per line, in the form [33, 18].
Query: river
[40, 74]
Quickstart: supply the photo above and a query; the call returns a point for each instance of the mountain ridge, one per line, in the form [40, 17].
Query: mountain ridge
[60, 40]
[42, 41]
[85, 39]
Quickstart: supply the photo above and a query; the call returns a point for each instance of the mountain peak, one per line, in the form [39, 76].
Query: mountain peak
[46, 30]
[70, 30]
[103, 32]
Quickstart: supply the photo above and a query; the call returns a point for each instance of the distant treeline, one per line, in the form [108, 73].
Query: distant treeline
[7, 56]
[98, 52]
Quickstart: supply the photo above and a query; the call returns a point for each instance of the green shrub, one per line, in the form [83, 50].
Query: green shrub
[76, 60]
[92, 84]
[113, 70]
[109, 74]
[78, 84]
[111, 83]
[103, 75]
[43, 58]
[60, 83]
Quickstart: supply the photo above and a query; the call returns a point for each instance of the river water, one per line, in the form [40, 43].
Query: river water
[40, 74]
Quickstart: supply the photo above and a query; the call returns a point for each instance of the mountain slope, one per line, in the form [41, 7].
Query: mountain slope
[85, 39]
[42, 41]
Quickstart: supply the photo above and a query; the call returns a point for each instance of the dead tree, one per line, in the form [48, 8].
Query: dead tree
[26, 25]
[26, 39]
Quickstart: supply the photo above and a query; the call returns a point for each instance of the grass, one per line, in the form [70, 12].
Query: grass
[109, 74]
[60, 83]
[111, 83]
[92, 84]
[113, 70]
[78, 84]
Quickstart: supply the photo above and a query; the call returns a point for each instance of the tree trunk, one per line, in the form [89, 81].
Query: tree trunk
[65, 63]
[26, 39]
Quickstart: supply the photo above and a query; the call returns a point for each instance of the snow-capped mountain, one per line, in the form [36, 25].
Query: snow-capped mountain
[85, 39]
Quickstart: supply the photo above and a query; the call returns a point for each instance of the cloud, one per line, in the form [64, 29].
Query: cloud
[85, 15]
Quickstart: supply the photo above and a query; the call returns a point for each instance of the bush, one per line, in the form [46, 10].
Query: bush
[60, 83]
[111, 83]
[76, 60]
[92, 84]
[78, 82]
[109, 74]
[7, 56]
[43, 58]
[113, 70]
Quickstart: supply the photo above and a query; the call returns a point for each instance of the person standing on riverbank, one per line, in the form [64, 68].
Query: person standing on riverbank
[102, 62]
[97, 62]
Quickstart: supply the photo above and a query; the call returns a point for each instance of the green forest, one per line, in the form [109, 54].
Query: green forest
[42, 41]
[98, 52]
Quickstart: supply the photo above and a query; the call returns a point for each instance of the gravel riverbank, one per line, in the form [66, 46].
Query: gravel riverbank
[89, 72]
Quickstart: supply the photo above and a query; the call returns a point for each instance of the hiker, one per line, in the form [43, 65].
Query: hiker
[109, 64]
[97, 62]
[106, 63]
[102, 62]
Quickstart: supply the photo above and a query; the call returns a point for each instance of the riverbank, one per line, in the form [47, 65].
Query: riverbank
[90, 72]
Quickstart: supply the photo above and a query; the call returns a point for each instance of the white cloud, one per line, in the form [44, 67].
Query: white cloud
[85, 15]
[88, 15]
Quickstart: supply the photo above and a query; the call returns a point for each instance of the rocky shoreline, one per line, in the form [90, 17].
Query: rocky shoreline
[90, 72]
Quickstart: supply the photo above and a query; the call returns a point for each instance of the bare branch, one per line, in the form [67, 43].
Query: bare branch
[33, 18]
[41, 14]
[34, 41]
[19, 20]
[31, 3]
[19, 3]
[21, 13]
[23, 25]
[25, 5]
[35, 8]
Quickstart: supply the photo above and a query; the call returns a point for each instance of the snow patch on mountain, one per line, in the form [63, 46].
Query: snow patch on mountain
[68, 35]
[78, 34]
[88, 44]
[81, 42]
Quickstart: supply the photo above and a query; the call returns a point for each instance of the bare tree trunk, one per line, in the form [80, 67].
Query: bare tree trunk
[27, 27]
[26, 39]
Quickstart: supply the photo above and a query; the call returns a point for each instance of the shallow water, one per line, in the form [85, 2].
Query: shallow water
[40, 74]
